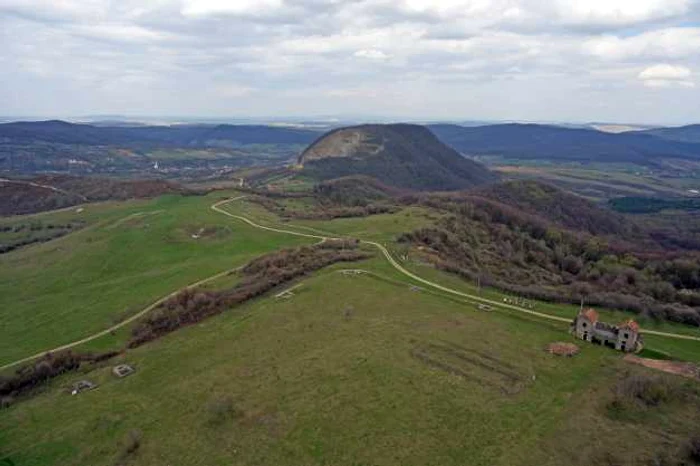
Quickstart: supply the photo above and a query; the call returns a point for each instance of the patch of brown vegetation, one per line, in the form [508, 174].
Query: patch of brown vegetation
[259, 276]
[684, 369]
[50, 192]
[50, 366]
[559, 348]
[475, 366]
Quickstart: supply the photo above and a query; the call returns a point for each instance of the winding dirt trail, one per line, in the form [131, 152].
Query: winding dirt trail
[385, 252]
[121, 324]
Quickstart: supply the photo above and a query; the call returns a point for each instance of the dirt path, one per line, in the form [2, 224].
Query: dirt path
[685, 369]
[385, 252]
[121, 324]
[217, 207]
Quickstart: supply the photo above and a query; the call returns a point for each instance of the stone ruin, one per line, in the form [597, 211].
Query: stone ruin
[122, 370]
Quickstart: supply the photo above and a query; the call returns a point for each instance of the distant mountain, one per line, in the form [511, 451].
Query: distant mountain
[56, 131]
[531, 141]
[560, 207]
[401, 155]
[690, 133]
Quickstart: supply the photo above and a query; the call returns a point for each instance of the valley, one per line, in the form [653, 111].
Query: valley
[295, 315]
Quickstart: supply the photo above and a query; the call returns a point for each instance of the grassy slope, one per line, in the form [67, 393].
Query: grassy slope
[69, 288]
[384, 228]
[312, 386]
[74, 286]
[316, 388]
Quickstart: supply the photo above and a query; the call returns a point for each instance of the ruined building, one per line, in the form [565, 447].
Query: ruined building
[624, 337]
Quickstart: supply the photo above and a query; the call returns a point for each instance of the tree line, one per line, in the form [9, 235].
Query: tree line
[525, 254]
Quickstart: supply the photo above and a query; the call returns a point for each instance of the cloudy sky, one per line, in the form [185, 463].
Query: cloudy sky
[634, 61]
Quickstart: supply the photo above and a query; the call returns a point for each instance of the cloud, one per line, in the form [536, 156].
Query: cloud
[234, 90]
[665, 72]
[658, 44]
[528, 59]
[665, 75]
[200, 8]
[371, 54]
[619, 12]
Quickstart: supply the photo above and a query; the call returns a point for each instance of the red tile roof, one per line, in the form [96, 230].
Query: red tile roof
[590, 314]
[630, 324]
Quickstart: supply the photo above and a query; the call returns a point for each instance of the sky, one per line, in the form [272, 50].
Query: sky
[627, 61]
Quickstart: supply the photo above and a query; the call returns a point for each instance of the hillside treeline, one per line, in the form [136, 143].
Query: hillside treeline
[44, 369]
[347, 197]
[26, 233]
[50, 192]
[259, 276]
[318, 211]
[519, 251]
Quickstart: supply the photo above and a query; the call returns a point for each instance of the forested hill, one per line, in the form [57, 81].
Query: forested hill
[56, 131]
[401, 155]
[531, 141]
[689, 133]
[562, 208]
[49, 192]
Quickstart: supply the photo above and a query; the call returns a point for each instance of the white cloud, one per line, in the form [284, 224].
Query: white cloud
[371, 54]
[55, 9]
[199, 8]
[665, 75]
[666, 43]
[619, 11]
[464, 58]
[119, 32]
[665, 72]
[234, 90]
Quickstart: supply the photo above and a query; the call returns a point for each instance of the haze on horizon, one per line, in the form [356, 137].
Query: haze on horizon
[632, 61]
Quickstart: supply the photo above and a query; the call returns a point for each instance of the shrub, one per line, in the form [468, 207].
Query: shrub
[694, 449]
[130, 444]
[650, 391]
[46, 368]
[220, 410]
[637, 393]
[259, 276]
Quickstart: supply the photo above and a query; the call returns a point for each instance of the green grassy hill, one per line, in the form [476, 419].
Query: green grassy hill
[369, 369]
[351, 370]
[129, 255]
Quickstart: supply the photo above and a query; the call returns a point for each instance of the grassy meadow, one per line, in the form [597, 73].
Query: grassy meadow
[129, 255]
[352, 370]
[385, 228]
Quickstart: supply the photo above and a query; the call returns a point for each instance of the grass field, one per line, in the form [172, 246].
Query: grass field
[129, 255]
[384, 228]
[352, 370]
[403, 378]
